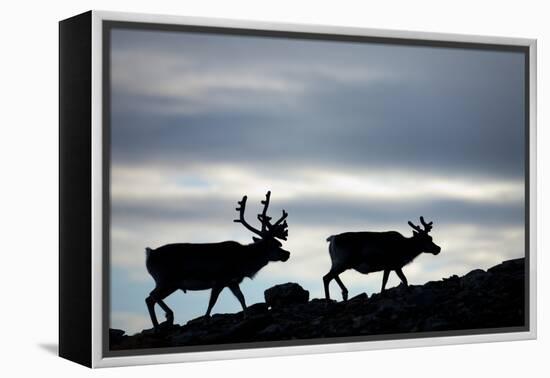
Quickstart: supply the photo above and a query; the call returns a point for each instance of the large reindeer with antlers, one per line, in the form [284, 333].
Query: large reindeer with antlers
[214, 266]
[368, 252]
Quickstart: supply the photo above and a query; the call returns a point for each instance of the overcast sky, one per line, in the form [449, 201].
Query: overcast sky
[347, 136]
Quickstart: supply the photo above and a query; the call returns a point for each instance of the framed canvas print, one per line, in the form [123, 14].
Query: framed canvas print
[234, 189]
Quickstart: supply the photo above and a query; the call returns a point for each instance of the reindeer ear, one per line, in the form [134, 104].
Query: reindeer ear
[256, 240]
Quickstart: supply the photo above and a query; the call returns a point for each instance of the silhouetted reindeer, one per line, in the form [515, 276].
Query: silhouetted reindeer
[368, 252]
[215, 265]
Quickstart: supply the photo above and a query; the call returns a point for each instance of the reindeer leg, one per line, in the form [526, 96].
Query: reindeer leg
[150, 302]
[157, 296]
[402, 277]
[216, 290]
[236, 290]
[342, 287]
[169, 313]
[385, 280]
[333, 274]
[326, 280]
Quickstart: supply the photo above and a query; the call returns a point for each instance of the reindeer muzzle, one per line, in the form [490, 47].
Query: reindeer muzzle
[285, 255]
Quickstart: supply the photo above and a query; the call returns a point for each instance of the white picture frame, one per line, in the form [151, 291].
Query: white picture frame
[89, 335]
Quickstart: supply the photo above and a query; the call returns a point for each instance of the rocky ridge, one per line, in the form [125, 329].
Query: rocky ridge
[480, 299]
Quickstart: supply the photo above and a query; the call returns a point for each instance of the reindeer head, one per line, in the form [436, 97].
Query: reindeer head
[270, 232]
[422, 238]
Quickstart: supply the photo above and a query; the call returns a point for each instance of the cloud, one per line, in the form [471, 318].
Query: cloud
[152, 207]
[227, 181]
[175, 101]
[174, 87]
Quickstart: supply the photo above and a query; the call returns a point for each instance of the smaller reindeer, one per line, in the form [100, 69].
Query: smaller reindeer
[368, 252]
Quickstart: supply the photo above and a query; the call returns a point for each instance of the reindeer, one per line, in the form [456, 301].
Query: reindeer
[368, 252]
[214, 266]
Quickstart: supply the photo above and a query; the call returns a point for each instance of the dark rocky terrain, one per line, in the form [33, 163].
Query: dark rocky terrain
[480, 299]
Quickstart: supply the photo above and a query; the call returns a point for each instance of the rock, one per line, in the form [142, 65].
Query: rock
[116, 335]
[286, 294]
[509, 266]
[356, 302]
[165, 328]
[359, 298]
[322, 301]
[270, 331]
[474, 274]
[188, 337]
[435, 323]
[480, 299]
[246, 329]
[425, 298]
[200, 320]
[257, 309]
[475, 278]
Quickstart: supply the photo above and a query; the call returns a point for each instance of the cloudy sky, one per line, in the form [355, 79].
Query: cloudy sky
[347, 136]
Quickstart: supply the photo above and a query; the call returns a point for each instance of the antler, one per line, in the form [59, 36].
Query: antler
[283, 217]
[240, 209]
[276, 230]
[280, 228]
[427, 226]
[417, 228]
[263, 218]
